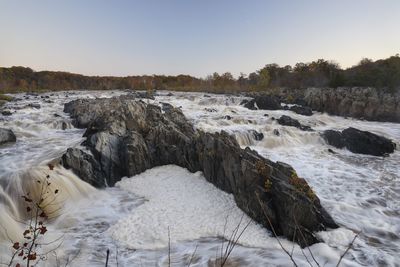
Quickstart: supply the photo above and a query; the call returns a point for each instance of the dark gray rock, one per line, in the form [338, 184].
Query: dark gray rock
[84, 165]
[362, 142]
[7, 136]
[126, 137]
[144, 95]
[227, 117]
[267, 102]
[289, 121]
[34, 105]
[257, 136]
[6, 113]
[250, 104]
[306, 111]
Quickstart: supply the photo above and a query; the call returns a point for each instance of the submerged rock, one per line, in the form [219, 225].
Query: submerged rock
[7, 136]
[357, 141]
[125, 137]
[289, 121]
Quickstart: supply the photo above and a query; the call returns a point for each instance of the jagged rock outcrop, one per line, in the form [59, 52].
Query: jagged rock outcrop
[289, 121]
[358, 141]
[126, 137]
[7, 136]
[364, 103]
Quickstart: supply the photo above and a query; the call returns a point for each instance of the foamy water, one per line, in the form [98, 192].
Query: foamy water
[132, 220]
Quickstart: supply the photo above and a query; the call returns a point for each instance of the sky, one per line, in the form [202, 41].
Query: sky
[196, 37]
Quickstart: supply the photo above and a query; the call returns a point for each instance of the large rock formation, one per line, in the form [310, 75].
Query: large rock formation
[124, 137]
[7, 136]
[365, 103]
[358, 141]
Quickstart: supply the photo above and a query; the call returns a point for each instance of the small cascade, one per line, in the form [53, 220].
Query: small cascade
[54, 184]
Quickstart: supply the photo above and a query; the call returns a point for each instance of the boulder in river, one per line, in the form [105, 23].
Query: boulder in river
[361, 142]
[289, 121]
[257, 135]
[7, 136]
[250, 104]
[125, 137]
[6, 113]
[34, 105]
[302, 110]
[267, 102]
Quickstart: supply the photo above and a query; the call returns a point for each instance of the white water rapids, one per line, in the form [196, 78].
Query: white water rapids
[133, 219]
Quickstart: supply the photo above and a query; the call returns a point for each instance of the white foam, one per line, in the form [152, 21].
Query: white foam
[186, 204]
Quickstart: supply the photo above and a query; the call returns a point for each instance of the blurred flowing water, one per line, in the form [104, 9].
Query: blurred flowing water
[361, 192]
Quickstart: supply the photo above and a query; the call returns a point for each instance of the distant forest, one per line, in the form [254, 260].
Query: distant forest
[383, 74]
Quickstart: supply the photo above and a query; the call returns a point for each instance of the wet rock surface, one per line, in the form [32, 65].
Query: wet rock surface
[126, 137]
[7, 136]
[289, 121]
[302, 110]
[261, 101]
[358, 141]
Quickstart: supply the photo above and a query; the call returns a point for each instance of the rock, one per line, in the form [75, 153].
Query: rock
[227, 117]
[6, 113]
[334, 138]
[361, 142]
[34, 105]
[7, 136]
[2, 102]
[64, 125]
[276, 132]
[266, 115]
[306, 111]
[144, 95]
[331, 151]
[84, 165]
[367, 103]
[126, 137]
[210, 109]
[166, 106]
[267, 102]
[288, 121]
[250, 104]
[170, 94]
[257, 136]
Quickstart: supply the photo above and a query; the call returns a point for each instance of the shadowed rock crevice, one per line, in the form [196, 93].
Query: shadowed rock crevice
[126, 137]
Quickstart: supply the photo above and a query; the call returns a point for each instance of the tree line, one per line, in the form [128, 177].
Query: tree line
[383, 74]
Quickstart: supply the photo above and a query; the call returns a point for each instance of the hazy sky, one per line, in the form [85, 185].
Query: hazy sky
[194, 37]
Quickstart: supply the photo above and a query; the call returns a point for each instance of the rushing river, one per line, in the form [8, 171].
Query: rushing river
[137, 219]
